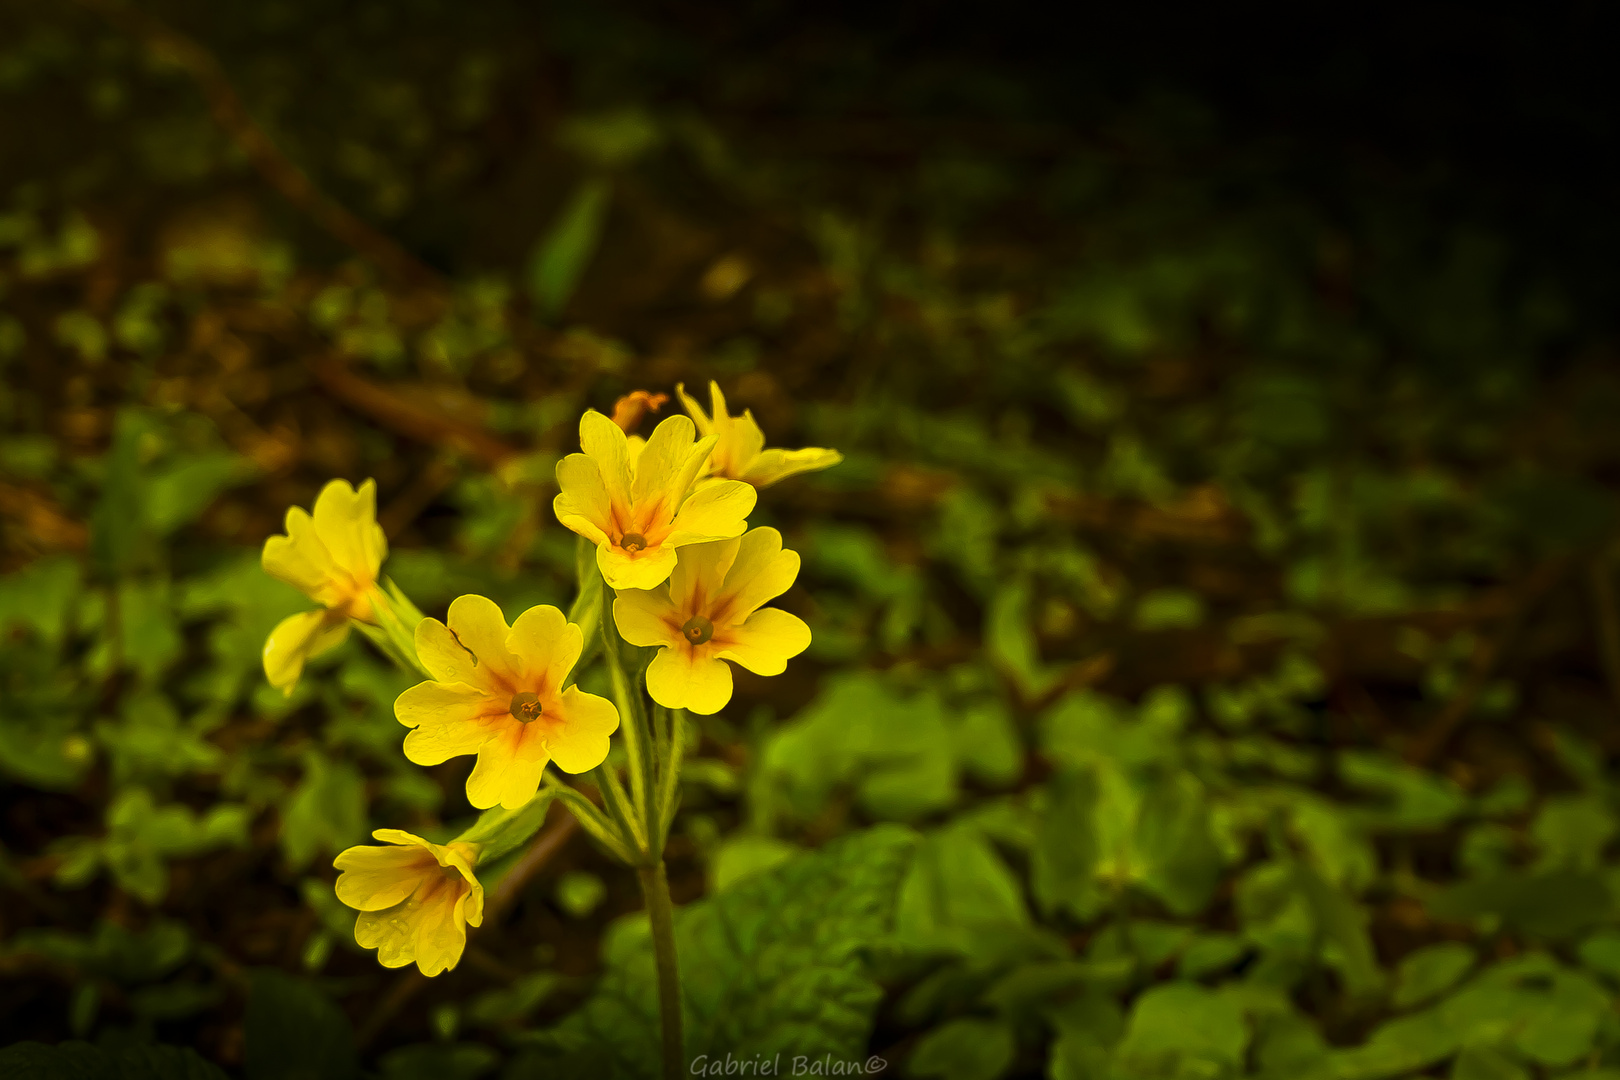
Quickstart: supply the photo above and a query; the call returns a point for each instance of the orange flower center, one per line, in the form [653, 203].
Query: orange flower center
[525, 706]
[697, 630]
[633, 542]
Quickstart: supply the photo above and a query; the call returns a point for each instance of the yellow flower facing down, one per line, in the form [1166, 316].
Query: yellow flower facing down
[333, 555]
[497, 692]
[415, 899]
[637, 504]
[709, 613]
[740, 453]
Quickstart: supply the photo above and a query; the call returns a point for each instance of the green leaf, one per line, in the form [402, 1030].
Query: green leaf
[325, 813]
[1430, 971]
[178, 493]
[40, 596]
[152, 742]
[1344, 927]
[777, 963]
[560, 258]
[118, 536]
[1484, 1063]
[1179, 860]
[1183, 1026]
[1601, 953]
[498, 832]
[295, 1032]
[1557, 905]
[959, 895]
[1009, 640]
[441, 1061]
[82, 1061]
[743, 855]
[1064, 863]
[899, 759]
[965, 1049]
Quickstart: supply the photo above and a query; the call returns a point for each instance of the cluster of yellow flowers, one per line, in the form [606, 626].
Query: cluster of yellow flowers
[668, 516]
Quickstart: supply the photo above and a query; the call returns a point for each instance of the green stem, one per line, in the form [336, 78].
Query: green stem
[661, 915]
[631, 719]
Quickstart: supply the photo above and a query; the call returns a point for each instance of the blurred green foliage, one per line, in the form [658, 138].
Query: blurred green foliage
[1212, 617]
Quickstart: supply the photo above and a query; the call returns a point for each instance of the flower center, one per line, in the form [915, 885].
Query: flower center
[633, 542]
[525, 706]
[697, 630]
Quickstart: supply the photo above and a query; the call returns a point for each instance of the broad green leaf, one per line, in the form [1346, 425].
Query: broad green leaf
[1211, 953]
[294, 1032]
[1009, 640]
[560, 258]
[1063, 864]
[151, 741]
[325, 813]
[1430, 971]
[777, 963]
[965, 1049]
[1484, 1063]
[1176, 852]
[1601, 953]
[178, 493]
[1174, 1027]
[959, 896]
[741, 856]
[41, 596]
[899, 759]
[82, 1061]
[1344, 929]
[1556, 905]
[439, 1061]
[1414, 799]
[1571, 831]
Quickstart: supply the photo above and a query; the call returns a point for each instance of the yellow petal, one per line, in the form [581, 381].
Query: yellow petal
[741, 441]
[663, 457]
[346, 522]
[685, 678]
[699, 575]
[391, 932]
[300, 559]
[761, 571]
[644, 617]
[296, 640]
[374, 878]
[547, 646]
[634, 445]
[444, 657]
[478, 624]
[645, 570]
[774, 465]
[453, 718]
[582, 742]
[766, 642]
[694, 410]
[715, 511]
[440, 935]
[605, 443]
[509, 767]
[582, 503]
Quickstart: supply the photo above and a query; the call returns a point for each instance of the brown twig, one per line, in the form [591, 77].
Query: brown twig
[1487, 656]
[407, 986]
[407, 417]
[1608, 620]
[532, 861]
[260, 150]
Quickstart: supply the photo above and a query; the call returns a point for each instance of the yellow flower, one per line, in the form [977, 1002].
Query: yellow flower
[415, 899]
[333, 556]
[498, 692]
[740, 454]
[637, 503]
[710, 612]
